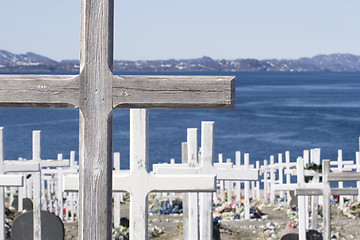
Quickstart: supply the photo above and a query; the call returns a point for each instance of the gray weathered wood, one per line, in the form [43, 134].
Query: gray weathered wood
[62, 91]
[206, 199]
[172, 91]
[95, 110]
[344, 176]
[326, 196]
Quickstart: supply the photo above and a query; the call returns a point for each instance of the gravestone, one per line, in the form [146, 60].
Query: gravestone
[27, 204]
[292, 234]
[52, 227]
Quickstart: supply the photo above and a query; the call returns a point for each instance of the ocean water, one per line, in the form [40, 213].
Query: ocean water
[275, 112]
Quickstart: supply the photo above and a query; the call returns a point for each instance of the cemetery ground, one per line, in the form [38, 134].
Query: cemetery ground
[276, 220]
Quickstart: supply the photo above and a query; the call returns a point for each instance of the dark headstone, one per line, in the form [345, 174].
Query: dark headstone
[52, 227]
[124, 222]
[27, 204]
[290, 234]
[313, 235]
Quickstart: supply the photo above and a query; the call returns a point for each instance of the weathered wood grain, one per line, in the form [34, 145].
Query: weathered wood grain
[62, 91]
[41, 91]
[206, 199]
[174, 92]
[343, 176]
[95, 121]
[326, 200]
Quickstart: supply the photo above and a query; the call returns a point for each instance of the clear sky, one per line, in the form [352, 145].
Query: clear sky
[163, 29]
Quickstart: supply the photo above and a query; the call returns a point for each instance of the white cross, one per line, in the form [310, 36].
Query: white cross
[96, 92]
[139, 182]
[223, 171]
[5, 181]
[325, 190]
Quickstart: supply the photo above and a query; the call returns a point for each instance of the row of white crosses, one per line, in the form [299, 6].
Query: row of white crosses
[309, 156]
[34, 166]
[223, 171]
[5, 181]
[314, 189]
[139, 182]
[324, 189]
[56, 174]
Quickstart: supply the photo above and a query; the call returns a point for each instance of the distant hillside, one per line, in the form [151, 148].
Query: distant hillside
[31, 62]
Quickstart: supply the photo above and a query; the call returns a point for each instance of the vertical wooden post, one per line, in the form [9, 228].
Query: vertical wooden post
[301, 199]
[258, 182]
[95, 120]
[206, 203]
[229, 186]
[272, 178]
[221, 182]
[43, 199]
[184, 159]
[193, 216]
[326, 196]
[358, 170]
[49, 198]
[315, 199]
[37, 185]
[246, 190]
[266, 189]
[2, 195]
[21, 195]
[288, 179]
[281, 174]
[139, 149]
[340, 169]
[238, 183]
[306, 162]
[184, 153]
[60, 190]
[253, 192]
[117, 195]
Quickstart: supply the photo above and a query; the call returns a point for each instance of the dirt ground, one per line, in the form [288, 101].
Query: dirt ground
[344, 227]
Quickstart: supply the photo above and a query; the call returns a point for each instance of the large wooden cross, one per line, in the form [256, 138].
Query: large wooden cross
[96, 92]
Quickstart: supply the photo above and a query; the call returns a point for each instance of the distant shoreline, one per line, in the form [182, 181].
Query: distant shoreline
[34, 63]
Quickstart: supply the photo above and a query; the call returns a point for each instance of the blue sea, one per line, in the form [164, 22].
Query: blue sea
[275, 112]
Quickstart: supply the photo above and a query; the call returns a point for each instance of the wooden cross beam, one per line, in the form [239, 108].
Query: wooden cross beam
[96, 92]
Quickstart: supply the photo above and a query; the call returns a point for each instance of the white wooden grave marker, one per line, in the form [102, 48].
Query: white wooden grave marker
[139, 182]
[96, 91]
[325, 190]
[224, 171]
[5, 181]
